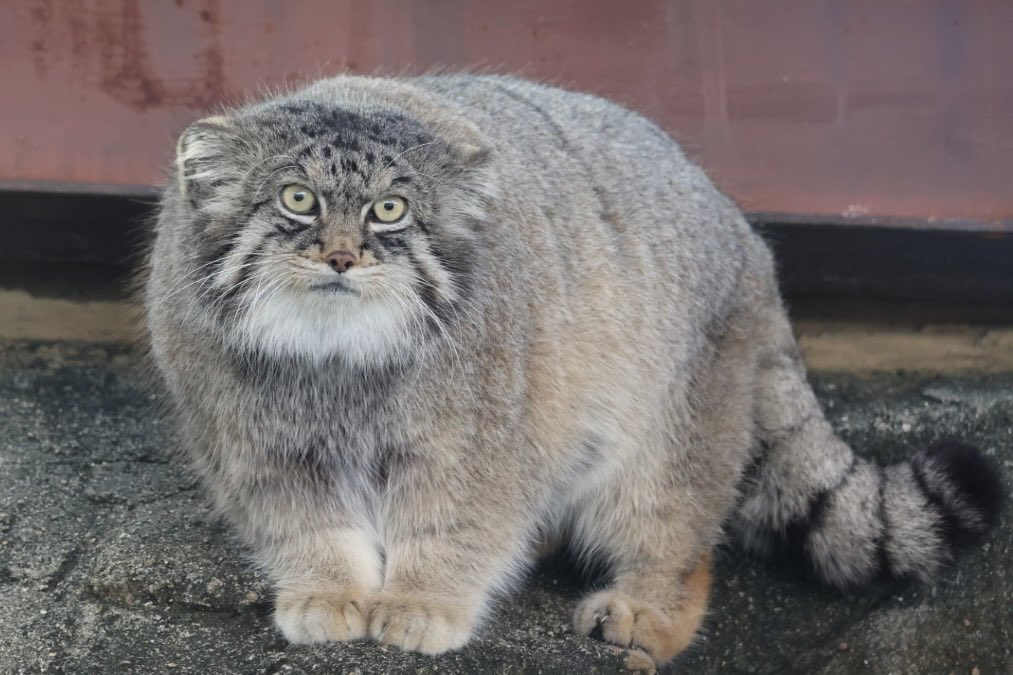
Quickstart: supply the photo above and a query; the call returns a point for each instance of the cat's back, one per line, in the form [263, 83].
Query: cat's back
[612, 187]
[590, 137]
[533, 120]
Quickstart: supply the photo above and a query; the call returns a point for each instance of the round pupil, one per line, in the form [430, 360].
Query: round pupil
[389, 206]
[299, 196]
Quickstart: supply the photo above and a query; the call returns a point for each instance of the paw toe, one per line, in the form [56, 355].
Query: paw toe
[320, 617]
[607, 617]
[418, 624]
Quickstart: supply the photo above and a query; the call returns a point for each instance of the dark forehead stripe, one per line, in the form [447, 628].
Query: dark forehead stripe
[349, 165]
[346, 129]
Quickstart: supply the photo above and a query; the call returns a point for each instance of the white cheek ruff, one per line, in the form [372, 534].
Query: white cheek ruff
[365, 331]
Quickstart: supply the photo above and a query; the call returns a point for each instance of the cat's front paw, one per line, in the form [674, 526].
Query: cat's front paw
[322, 616]
[420, 622]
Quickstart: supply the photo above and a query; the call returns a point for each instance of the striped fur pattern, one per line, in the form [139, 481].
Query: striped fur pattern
[570, 332]
[812, 503]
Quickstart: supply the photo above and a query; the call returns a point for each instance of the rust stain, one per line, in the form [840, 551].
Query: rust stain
[74, 12]
[126, 75]
[113, 39]
[41, 13]
[211, 58]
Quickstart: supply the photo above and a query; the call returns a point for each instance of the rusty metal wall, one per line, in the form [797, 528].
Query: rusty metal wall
[873, 111]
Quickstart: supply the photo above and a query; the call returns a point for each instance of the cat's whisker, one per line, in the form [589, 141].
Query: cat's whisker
[396, 302]
[186, 281]
[405, 152]
[264, 161]
[266, 285]
[447, 337]
[436, 180]
[264, 182]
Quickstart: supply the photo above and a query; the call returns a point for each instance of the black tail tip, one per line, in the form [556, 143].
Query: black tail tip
[977, 479]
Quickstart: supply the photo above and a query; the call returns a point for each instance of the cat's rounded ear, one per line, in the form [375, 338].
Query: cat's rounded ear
[205, 154]
[470, 154]
[466, 143]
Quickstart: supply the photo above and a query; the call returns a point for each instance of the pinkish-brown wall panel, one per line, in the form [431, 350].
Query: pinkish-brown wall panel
[875, 110]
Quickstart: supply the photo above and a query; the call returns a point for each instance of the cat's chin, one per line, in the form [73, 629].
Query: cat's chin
[321, 324]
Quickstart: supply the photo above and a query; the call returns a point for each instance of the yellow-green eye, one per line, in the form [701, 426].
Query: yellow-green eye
[389, 209]
[298, 198]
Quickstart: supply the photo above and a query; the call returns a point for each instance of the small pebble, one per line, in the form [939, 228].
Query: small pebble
[842, 646]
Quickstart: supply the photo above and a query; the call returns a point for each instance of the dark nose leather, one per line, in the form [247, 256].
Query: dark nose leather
[340, 261]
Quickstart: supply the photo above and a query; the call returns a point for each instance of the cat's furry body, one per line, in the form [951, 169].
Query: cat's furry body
[575, 333]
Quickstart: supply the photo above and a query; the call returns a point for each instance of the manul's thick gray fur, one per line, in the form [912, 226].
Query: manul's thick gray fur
[570, 332]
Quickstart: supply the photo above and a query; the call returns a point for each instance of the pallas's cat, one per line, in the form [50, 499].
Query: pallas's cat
[410, 326]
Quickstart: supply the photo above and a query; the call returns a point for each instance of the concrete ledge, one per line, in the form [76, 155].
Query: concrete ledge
[847, 347]
[828, 345]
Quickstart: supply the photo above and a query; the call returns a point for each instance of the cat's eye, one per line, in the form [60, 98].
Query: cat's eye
[298, 198]
[389, 209]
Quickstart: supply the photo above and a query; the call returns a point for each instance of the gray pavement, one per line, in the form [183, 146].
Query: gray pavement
[110, 561]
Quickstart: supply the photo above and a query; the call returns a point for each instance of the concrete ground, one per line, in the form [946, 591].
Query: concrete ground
[110, 561]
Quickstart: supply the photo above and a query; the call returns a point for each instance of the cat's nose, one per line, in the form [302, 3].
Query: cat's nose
[340, 261]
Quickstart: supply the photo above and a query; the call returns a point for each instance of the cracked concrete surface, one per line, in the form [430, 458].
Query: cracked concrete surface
[110, 561]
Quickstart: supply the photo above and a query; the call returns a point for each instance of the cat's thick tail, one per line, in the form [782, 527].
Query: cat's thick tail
[845, 519]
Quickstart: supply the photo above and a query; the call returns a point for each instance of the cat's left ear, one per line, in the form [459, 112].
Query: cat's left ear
[205, 154]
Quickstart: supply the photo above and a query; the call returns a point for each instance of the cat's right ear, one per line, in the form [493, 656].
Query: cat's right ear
[204, 156]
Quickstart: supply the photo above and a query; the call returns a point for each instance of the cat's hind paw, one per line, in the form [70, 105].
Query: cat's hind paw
[623, 619]
[419, 622]
[617, 618]
[305, 617]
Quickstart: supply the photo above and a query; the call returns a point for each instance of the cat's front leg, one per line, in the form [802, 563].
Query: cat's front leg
[325, 583]
[454, 535]
[323, 559]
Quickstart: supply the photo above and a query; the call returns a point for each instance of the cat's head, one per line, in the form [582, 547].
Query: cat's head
[316, 230]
